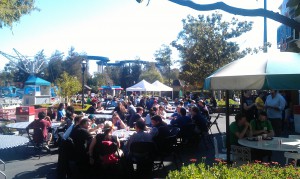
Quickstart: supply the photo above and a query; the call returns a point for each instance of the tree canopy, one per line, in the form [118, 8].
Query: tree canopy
[12, 10]
[151, 74]
[68, 85]
[205, 45]
[163, 58]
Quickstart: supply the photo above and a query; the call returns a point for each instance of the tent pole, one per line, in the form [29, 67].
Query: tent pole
[172, 96]
[227, 128]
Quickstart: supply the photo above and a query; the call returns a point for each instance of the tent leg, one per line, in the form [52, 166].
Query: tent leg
[172, 96]
[227, 128]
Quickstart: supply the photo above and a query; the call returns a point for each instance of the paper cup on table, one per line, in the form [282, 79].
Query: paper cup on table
[265, 136]
[259, 138]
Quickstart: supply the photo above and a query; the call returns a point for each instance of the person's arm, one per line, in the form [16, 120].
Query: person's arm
[246, 107]
[254, 131]
[242, 134]
[270, 130]
[122, 124]
[91, 150]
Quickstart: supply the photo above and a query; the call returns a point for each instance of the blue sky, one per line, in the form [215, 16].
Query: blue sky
[118, 29]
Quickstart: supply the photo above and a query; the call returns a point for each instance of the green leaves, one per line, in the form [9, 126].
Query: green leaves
[205, 45]
[68, 85]
[12, 10]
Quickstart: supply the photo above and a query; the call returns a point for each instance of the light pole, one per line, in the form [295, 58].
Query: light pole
[83, 67]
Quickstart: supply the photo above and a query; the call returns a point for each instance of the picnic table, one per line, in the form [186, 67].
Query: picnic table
[123, 134]
[11, 141]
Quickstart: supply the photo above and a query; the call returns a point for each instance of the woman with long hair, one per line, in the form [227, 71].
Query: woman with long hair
[121, 110]
[117, 121]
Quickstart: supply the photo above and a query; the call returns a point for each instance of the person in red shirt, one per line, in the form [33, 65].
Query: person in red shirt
[43, 124]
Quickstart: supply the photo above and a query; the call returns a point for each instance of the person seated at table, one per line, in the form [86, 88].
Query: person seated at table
[182, 120]
[92, 109]
[121, 110]
[117, 121]
[97, 148]
[77, 120]
[262, 125]
[44, 125]
[152, 112]
[99, 107]
[140, 135]
[81, 139]
[61, 113]
[51, 113]
[176, 113]
[199, 120]
[131, 110]
[239, 129]
[137, 116]
[159, 131]
[161, 112]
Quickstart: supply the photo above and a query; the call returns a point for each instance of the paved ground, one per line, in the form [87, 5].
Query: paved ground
[21, 164]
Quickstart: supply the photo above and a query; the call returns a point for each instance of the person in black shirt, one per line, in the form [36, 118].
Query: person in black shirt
[81, 139]
[249, 106]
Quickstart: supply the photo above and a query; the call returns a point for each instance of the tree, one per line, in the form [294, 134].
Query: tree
[72, 64]
[68, 85]
[96, 81]
[163, 57]
[55, 66]
[243, 12]
[204, 45]
[12, 10]
[151, 74]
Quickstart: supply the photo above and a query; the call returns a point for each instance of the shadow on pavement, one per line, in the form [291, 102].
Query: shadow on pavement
[46, 170]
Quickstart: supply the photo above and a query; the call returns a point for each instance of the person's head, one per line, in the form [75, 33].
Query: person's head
[193, 102]
[84, 123]
[78, 119]
[41, 115]
[178, 108]
[140, 125]
[261, 94]
[108, 127]
[247, 92]
[161, 108]
[241, 119]
[263, 116]
[195, 110]
[92, 117]
[201, 103]
[139, 110]
[273, 92]
[182, 111]
[181, 103]
[61, 106]
[156, 120]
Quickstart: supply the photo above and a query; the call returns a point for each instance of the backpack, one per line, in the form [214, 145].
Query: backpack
[108, 152]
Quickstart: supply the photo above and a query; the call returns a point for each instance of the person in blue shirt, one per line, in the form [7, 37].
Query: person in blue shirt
[182, 120]
[176, 113]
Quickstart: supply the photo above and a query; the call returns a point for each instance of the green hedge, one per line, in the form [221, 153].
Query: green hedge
[247, 171]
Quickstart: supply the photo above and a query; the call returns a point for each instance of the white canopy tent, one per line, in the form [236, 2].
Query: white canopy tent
[162, 87]
[142, 86]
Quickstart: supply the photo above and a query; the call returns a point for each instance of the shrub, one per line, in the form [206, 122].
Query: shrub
[221, 171]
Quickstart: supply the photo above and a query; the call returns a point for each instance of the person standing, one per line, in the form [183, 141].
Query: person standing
[249, 106]
[275, 104]
[259, 102]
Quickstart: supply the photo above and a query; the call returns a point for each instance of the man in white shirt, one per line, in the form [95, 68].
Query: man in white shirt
[275, 104]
